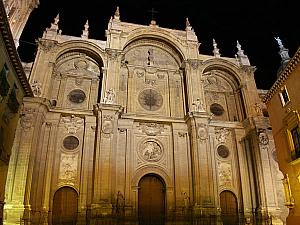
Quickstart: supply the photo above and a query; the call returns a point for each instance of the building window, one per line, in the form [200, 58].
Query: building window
[284, 96]
[4, 85]
[295, 133]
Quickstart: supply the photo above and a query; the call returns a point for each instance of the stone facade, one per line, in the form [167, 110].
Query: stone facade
[284, 115]
[107, 113]
[13, 87]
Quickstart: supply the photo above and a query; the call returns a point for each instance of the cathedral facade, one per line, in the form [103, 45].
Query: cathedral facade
[141, 126]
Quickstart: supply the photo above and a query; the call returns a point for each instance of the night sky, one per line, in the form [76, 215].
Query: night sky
[254, 23]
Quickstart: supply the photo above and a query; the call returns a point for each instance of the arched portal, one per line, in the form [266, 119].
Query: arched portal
[151, 200]
[229, 208]
[65, 205]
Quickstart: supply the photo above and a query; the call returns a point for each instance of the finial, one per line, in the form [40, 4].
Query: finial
[216, 50]
[238, 45]
[242, 58]
[56, 20]
[85, 32]
[279, 42]
[187, 22]
[117, 13]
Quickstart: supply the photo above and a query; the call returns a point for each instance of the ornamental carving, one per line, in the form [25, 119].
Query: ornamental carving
[193, 63]
[151, 151]
[47, 45]
[202, 132]
[68, 167]
[225, 174]
[72, 123]
[36, 87]
[107, 126]
[27, 118]
[263, 138]
[112, 54]
[151, 129]
[110, 97]
[222, 134]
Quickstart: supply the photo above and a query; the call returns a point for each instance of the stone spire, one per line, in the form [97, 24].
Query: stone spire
[216, 50]
[117, 14]
[242, 58]
[85, 32]
[284, 54]
[53, 30]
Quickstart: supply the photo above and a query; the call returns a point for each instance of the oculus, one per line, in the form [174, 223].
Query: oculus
[70, 142]
[77, 96]
[150, 99]
[217, 109]
[223, 151]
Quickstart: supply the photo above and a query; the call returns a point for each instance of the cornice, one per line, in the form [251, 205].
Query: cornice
[292, 64]
[12, 51]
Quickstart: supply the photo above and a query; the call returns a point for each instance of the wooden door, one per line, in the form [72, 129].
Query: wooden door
[65, 205]
[229, 208]
[151, 200]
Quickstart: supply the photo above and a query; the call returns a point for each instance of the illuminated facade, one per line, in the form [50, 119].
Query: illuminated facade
[284, 105]
[141, 126]
[13, 87]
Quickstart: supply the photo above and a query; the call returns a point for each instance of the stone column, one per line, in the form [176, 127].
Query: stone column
[86, 178]
[18, 204]
[107, 116]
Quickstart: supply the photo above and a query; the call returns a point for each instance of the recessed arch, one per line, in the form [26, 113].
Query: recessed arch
[158, 34]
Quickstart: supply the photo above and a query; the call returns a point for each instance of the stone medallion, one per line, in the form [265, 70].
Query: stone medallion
[151, 151]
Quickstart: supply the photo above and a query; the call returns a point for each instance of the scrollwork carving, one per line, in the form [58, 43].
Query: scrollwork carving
[72, 123]
[151, 129]
[222, 134]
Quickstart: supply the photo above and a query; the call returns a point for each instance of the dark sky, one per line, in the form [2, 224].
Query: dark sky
[254, 23]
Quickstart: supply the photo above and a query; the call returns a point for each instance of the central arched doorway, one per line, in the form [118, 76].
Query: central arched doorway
[65, 206]
[151, 200]
[229, 208]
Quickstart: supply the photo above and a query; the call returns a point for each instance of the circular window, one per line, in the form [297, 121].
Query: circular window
[71, 142]
[217, 109]
[223, 151]
[150, 99]
[77, 96]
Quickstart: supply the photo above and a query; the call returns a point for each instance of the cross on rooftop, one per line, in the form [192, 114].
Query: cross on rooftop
[152, 11]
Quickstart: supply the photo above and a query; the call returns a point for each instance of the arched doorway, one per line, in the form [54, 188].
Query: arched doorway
[229, 208]
[65, 205]
[151, 200]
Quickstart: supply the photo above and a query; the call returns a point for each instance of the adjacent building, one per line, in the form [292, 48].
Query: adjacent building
[13, 87]
[18, 12]
[141, 126]
[283, 104]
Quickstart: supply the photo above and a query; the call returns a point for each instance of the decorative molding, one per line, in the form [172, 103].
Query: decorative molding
[47, 45]
[222, 134]
[151, 129]
[72, 123]
[202, 132]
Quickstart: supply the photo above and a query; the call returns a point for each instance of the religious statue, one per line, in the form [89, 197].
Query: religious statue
[186, 200]
[109, 96]
[279, 42]
[36, 88]
[198, 105]
[120, 202]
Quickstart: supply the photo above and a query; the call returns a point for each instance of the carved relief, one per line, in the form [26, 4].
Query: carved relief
[151, 151]
[202, 132]
[225, 174]
[68, 168]
[36, 88]
[151, 129]
[107, 124]
[47, 45]
[27, 118]
[263, 138]
[112, 54]
[72, 123]
[181, 134]
[222, 134]
[110, 96]
[198, 105]
[193, 63]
